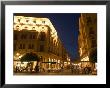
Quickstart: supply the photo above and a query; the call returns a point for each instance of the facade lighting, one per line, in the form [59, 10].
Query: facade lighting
[85, 59]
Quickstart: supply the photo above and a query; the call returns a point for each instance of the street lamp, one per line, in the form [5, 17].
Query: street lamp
[17, 54]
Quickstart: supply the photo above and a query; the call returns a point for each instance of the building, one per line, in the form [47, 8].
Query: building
[38, 35]
[87, 39]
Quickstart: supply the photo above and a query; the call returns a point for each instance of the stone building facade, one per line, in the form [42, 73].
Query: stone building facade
[38, 35]
[87, 39]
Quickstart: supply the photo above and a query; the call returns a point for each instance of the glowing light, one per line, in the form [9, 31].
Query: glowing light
[17, 54]
[68, 59]
[85, 59]
[20, 56]
[27, 23]
[75, 64]
[18, 64]
[68, 63]
[58, 61]
[49, 59]
[79, 64]
[80, 51]
[52, 60]
[25, 62]
[65, 62]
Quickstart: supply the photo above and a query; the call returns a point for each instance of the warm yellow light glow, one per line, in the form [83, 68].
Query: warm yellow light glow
[22, 65]
[25, 62]
[79, 64]
[17, 54]
[16, 18]
[27, 23]
[68, 59]
[52, 60]
[95, 65]
[20, 56]
[72, 63]
[58, 61]
[80, 51]
[49, 59]
[75, 64]
[18, 64]
[68, 63]
[65, 62]
[34, 64]
[85, 59]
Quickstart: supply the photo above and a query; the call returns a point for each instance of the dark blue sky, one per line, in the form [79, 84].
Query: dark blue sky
[67, 26]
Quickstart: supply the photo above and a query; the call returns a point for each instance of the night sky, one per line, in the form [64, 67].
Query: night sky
[66, 25]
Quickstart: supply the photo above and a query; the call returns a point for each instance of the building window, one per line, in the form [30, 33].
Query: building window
[34, 21]
[43, 22]
[18, 20]
[32, 36]
[41, 48]
[33, 28]
[27, 20]
[23, 36]
[17, 27]
[42, 36]
[22, 46]
[30, 46]
[42, 27]
[26, 28]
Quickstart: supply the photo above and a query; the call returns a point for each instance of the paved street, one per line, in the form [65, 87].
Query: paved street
[51, 73]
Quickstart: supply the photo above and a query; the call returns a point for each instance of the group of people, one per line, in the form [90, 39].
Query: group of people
[75, 69]
[27, 68]
[81, 70]
[87, 70]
